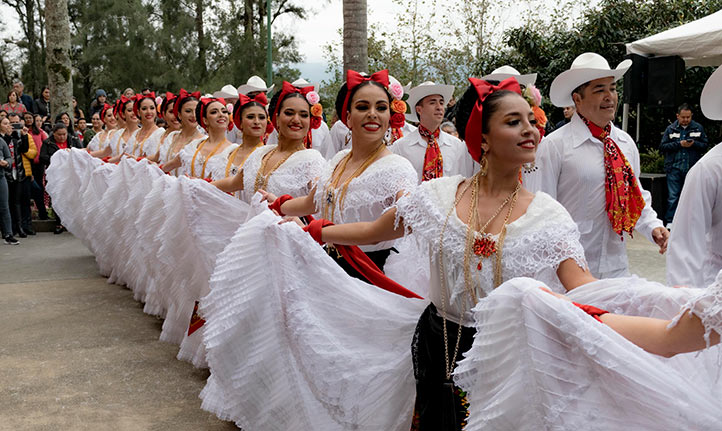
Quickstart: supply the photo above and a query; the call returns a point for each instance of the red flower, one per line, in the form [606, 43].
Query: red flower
[316, 122]
[397, 120]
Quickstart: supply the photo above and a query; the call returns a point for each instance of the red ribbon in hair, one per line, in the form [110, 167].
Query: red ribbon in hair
[354, 79]
[103, 110]
[473, 126]
[205, 101]
[182, 94]
[244, 100]
[139, 98]
[169, 97]
[288, 88]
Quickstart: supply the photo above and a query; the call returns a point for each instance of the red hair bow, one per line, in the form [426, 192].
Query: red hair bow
[182, 94]
[139, 97]
[288, 88]
[354, 79]
[205, 101]
[473, 126]
[244, 100]
[169, 96]
[103, 110]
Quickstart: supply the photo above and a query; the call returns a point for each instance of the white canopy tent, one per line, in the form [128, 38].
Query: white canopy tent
[698, 42]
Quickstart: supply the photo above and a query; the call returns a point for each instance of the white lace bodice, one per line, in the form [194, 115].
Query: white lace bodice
[536, 243]
[165, 147]
[186, 156]
[370, 194]
[218, 166]
[98, 143]
[146, 148]
[294, 177]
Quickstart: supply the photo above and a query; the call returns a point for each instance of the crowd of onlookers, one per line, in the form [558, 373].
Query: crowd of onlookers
[29, 131]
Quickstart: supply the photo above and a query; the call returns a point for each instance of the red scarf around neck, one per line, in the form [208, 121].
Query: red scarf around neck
[433, 161]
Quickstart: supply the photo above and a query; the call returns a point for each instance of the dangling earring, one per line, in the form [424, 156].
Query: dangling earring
[528, 168]
[483, 165]
[348, 138]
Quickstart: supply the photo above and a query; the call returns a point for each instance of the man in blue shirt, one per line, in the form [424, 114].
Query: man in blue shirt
[684, 142]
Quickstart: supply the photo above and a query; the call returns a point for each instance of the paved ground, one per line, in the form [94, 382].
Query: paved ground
[77, 353]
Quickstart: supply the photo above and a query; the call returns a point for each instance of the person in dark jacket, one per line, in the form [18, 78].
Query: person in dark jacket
[683, 144]
[15, 176]
[6, 162]
[25, 99]
[42, 104]
[59, 140]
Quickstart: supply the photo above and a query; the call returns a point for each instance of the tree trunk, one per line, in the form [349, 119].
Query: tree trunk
[59, 68]
[33, 83]
[355, 38]
[203, 67]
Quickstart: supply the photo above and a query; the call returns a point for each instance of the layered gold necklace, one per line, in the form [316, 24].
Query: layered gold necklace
[331, 196]
[479, 243]
[261, 178]
[232, 156]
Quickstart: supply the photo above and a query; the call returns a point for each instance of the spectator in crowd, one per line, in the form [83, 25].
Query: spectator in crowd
[13, 105]
[683, 144]
[25, 99]
[3, 114]
[450, 112]
[77, 112]
[64, 118]
[449, 128]
[59, 140]
[82, 128]
[27, 151]
[145, 91]
[97, 128]
[42, 104]
[97, 104]
[6, 161]
[38, 185]
[568, 113]
[11, 132]
[28, 120]
[128, 92]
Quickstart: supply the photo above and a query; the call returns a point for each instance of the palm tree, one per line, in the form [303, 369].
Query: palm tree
[355, 38]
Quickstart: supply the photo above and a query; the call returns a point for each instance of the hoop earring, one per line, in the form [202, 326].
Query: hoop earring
[483, 165]
[528, 168]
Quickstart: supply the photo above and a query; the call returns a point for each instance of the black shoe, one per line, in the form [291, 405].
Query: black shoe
[59, 229]
[10, 240]
[29, 231]
[22, 234]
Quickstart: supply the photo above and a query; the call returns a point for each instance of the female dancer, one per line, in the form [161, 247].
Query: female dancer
[362, 183]
[171, 121]
[251, 119]
[127, 126]
[184, 109]
[145, 140]
[286, 168]
[480, 231]
[193, 159]
[100, 139]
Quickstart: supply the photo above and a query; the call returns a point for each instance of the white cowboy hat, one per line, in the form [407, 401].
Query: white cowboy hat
[227, 92]
[711, 99]
[300, 83]
[427, 88]
[254, 83]
[505, 72]
[586, 67]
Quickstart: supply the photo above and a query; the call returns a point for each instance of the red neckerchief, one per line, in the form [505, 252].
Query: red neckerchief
[624, 198]
[433, 161]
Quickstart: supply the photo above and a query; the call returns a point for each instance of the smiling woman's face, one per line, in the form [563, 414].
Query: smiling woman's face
[369, 113]
[293, 118]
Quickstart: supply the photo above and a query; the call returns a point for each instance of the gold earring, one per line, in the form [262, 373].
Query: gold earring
[483, 165]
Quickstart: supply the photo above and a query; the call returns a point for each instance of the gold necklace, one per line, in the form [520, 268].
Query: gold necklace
[261, 179]
[468, 247]
[205, 161]
[232, 156]
[332, 185]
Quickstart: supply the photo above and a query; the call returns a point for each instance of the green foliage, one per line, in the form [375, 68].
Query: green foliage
[652, 161]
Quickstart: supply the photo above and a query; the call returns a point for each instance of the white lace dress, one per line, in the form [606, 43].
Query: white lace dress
[186, 157]
[369, 195]
[295, 177]
[98, 143]
[148, 147]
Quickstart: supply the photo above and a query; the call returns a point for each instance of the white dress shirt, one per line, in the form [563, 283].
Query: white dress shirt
[695, 247]
[457, 160]
[570, 168]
